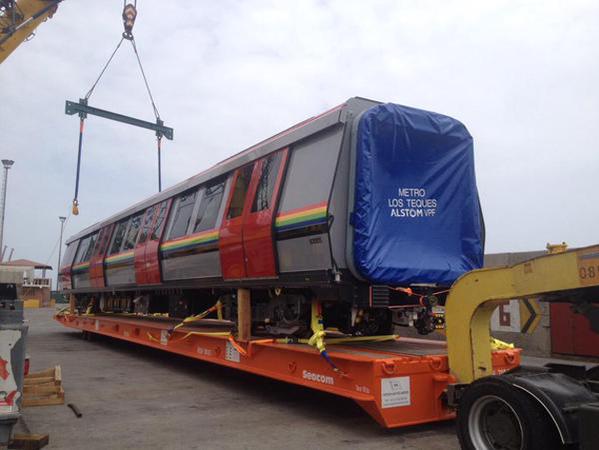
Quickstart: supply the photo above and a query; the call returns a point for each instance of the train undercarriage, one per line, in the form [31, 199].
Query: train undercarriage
[278, 312]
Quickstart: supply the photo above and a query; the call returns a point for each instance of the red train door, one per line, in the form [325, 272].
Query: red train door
[258, 242]
[96, 263]
[246, 237]
[232, 256]
[147, 264]
[140, 246]
[152, 255]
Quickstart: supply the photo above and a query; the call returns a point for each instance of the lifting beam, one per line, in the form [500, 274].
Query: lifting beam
[568, 276]
[83, 109]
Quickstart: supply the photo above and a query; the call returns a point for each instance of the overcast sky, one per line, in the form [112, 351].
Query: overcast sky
[522, 76]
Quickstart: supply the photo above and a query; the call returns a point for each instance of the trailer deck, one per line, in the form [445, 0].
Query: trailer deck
[398, 381]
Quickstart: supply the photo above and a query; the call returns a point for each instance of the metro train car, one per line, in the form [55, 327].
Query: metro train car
[370, 207]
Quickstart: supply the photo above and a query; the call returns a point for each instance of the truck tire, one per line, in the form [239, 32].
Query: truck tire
[493, 415]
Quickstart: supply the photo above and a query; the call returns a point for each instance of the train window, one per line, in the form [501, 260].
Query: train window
[159, 224]
[83, 245]
[117, 238]
[147, 223]
[102, 241]
[242, 184]
[208, 212]
[85, 248]
[69, 254]
[182, 216]
[131, 236]
[310, 171]
[96, 248]
[268, 179]
[92, 243]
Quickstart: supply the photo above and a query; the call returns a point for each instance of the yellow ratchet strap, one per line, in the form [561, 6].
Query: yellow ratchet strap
[497, 344]
[63, 311]
[216, 307]
[237, 347]
[152, 338]
[316, 323]
[389, 337]
[317, 340]
[201, 333]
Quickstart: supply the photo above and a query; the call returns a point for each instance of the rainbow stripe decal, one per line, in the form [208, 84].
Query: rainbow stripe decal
[120, 259]
[81, 267]
[302, 217]
[204, 240]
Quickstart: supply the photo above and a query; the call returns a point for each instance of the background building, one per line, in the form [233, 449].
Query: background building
[33, 287]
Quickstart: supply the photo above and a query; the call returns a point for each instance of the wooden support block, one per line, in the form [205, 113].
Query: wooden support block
[45, 400]
[43, 373]
[38, 380]
[41, 389]
[29, 441]
[244, 315]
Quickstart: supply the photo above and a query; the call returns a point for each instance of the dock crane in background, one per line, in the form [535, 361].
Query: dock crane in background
[19, 20]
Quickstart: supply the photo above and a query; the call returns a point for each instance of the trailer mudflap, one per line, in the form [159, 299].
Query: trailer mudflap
[588, 431]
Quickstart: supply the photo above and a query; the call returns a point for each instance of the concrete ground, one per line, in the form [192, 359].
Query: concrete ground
[133, 397]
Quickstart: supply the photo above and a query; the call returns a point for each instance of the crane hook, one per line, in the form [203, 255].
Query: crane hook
[129, 15]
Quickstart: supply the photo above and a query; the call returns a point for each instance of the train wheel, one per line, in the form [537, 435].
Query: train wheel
[492, 415]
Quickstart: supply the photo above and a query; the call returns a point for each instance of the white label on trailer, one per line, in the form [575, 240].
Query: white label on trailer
[395, 392]
[164, 337]
[205, 351]
[231, 353]
[97, 325]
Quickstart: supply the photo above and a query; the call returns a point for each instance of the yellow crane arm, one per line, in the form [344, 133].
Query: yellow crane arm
[18, 19]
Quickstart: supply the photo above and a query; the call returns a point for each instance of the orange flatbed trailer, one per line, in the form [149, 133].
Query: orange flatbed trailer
[399, 382]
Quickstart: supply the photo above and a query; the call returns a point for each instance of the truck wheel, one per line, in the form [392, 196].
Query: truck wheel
[492, 415]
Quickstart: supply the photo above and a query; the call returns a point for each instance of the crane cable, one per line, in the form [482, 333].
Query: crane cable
[129, 15]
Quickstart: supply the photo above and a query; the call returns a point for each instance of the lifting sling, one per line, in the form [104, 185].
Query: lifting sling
[83, 109]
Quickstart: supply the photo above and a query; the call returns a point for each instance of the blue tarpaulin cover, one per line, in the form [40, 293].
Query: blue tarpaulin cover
[417, 216]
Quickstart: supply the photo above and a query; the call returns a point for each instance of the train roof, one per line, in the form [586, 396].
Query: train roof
[298, 132]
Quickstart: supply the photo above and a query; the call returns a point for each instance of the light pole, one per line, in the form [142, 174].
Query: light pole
[7, 163]
[62, 219]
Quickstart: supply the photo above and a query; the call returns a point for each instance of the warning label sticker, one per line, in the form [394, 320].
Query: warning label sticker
[164, 337]
[231, 353]
[395, 392]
